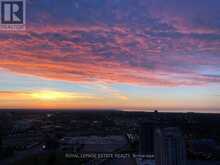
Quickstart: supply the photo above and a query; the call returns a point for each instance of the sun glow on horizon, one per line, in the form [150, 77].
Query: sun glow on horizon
[50, 95]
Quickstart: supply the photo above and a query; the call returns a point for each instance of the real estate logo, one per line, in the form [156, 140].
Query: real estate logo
[12, 14]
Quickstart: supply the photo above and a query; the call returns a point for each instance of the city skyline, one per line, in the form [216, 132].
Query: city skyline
[113, 54]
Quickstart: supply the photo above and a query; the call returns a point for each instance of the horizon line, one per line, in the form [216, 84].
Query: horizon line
[106, 109]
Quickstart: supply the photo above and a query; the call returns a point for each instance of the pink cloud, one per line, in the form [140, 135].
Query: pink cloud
[115, 54]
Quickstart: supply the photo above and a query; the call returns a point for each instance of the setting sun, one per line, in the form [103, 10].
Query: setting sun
[50, 95]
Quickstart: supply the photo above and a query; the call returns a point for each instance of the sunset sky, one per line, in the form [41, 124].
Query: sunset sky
[114, 54]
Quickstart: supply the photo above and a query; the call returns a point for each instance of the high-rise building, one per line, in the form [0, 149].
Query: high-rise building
[169, 147]
[146, 144]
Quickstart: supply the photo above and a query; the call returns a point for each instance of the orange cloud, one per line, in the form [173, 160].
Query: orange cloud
[109, 54]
